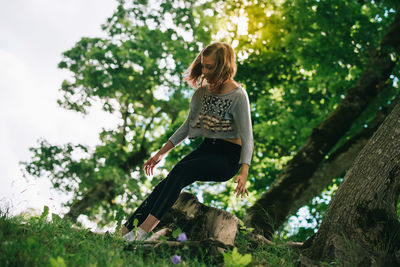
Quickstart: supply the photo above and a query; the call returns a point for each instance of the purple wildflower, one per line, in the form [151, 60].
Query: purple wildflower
[182, 237]
[176, 259]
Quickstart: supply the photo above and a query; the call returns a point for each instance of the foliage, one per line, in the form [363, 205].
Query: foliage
[126, 72]
[235, 259]
[296, 60]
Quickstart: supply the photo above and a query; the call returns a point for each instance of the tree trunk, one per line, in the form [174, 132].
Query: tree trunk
[361, 227]
[339, 161]
[274, 205]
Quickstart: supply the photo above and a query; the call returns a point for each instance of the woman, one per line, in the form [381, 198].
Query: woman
[219, 111]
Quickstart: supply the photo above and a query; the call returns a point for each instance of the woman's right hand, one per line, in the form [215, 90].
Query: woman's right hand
[149, 165]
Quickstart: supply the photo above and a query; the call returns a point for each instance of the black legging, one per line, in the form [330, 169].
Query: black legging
[213, 160]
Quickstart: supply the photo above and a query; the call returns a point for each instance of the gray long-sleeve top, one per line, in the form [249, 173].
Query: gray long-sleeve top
[225, 116]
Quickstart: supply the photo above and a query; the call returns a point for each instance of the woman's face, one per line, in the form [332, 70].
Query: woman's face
[207, 65]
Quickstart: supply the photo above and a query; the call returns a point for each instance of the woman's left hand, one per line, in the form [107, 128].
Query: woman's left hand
[241, 187]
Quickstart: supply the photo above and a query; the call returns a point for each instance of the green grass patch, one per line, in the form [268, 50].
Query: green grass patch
[278, 254]
[36, 241]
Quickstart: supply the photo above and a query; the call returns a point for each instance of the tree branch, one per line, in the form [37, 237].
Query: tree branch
[274, 205]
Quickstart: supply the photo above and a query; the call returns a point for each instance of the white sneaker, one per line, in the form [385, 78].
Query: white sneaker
[133, 235]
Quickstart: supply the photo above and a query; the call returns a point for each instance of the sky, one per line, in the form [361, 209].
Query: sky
[34, 34]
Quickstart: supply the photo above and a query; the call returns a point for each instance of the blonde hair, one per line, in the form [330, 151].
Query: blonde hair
[224, 68]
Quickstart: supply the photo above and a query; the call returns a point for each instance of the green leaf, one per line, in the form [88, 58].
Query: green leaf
[235, 259]
[135, 222]
[45, 212]
[59, 262]
[176, 232]
[239, 259]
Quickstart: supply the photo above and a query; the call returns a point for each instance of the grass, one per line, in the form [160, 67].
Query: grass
[267, 255]
[35, 241]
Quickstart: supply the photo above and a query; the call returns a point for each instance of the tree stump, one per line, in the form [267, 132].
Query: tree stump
[198, 221]
[209, 231]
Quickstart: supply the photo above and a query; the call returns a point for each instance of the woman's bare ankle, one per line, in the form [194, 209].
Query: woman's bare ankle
[150, 223]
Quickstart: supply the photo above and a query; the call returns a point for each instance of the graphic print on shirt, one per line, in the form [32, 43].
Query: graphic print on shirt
[212, 114]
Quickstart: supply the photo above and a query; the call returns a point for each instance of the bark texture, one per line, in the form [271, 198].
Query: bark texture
[198, 221]
[339, 161]
[272, 209]
[361, 227]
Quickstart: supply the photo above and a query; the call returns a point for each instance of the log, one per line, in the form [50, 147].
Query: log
[198, 221]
